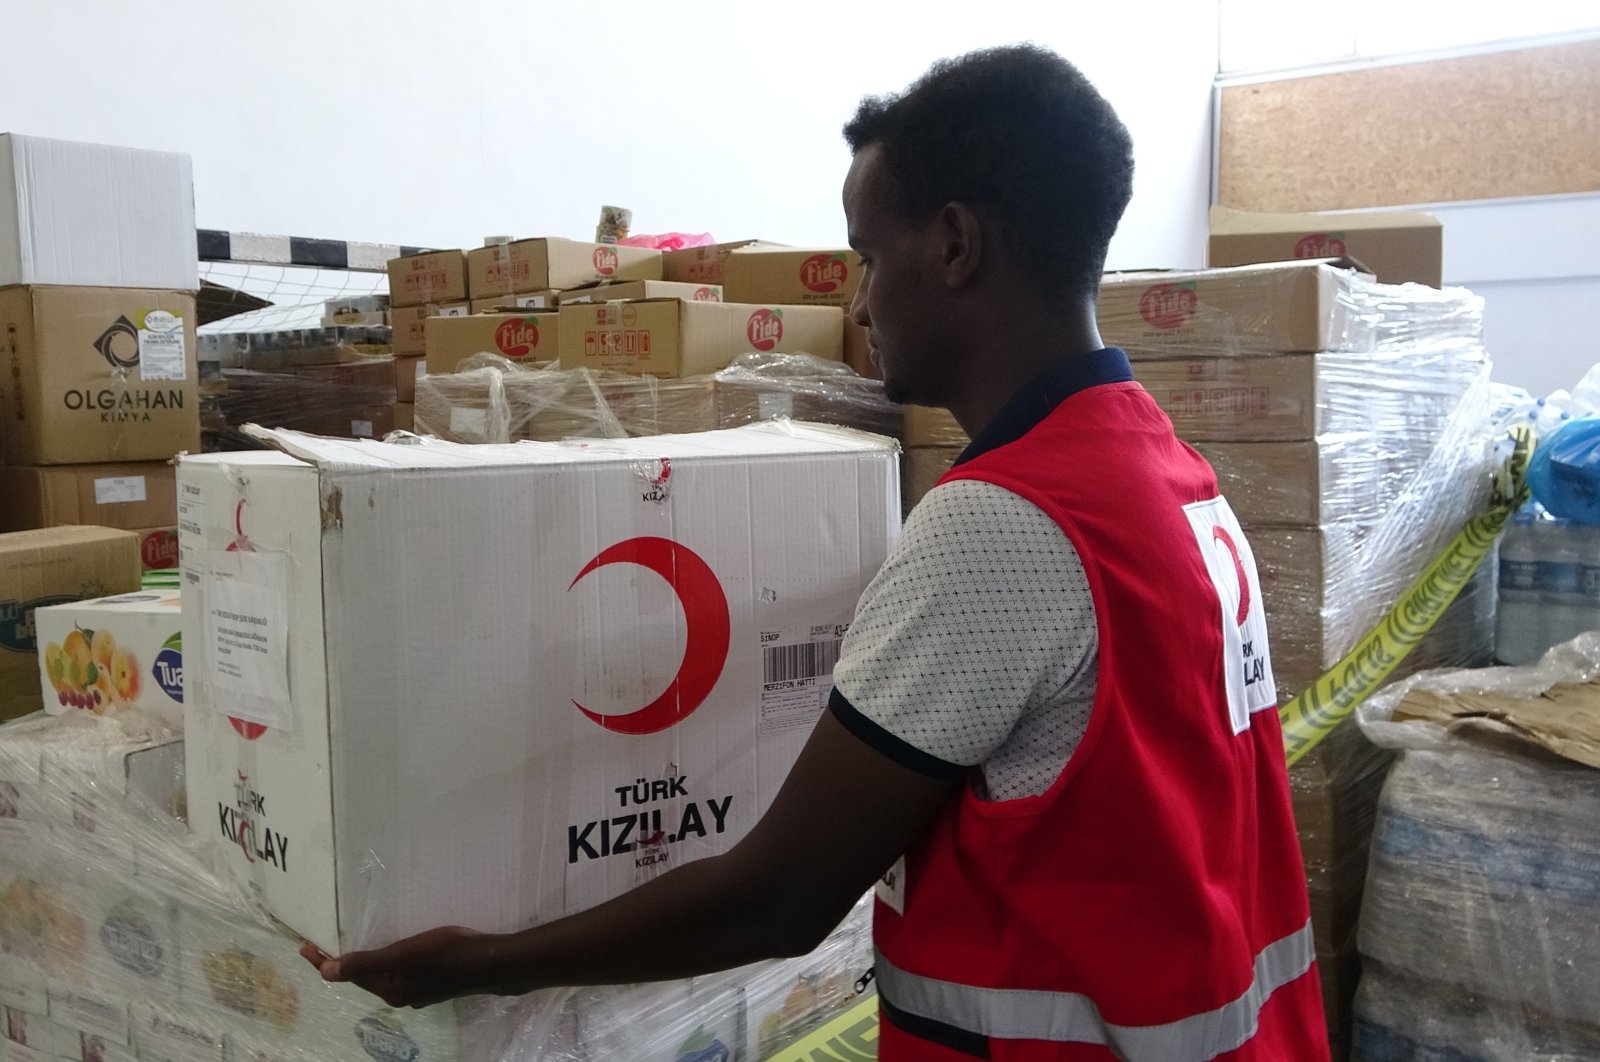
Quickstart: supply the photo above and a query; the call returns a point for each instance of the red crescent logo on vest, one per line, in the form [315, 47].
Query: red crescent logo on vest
[1238, 569]
[705, 613]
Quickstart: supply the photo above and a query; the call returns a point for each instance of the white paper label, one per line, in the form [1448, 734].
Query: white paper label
[537, 302]
[422, 367]
[361, 429]
[775, 404]
[452, 311]
[247, 636]
[1246, 660]
[469, 421]
[191, 531]
[161, 351]
[797, 676]
[118, 490]
[891, 888]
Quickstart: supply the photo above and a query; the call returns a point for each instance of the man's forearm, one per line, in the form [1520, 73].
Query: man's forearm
[699, 918]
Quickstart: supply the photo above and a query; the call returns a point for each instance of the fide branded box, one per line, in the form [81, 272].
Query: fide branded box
[1400, 248]
[624, 290]
[792, 276]
[551, 262]
[532, 336]
[613, 678]
[668, 337]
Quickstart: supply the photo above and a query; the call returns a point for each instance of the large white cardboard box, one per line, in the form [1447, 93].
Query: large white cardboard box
[494, 685]
[91, 215]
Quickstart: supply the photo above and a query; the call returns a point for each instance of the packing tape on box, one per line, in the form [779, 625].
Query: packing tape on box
[1311, 715]
[851, 1037]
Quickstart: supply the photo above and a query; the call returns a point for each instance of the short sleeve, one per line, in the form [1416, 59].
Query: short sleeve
[981, 614]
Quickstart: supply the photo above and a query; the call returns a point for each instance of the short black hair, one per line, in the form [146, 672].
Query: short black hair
[1020, 133]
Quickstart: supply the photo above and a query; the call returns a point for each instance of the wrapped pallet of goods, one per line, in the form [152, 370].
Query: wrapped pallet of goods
[1478, 936]
[338, 381]
[1349, 424]
[492, 400]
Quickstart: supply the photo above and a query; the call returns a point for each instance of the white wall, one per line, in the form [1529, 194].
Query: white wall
[418, 122]
[1537, 264]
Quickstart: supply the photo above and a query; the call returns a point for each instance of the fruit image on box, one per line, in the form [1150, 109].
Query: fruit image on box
[615, 679]
[113, 654]
[51, 567]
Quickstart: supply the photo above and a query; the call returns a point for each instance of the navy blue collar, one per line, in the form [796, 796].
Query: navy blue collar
[1045, 392]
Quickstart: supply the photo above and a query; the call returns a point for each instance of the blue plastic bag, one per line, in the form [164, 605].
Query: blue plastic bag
[1564, 472]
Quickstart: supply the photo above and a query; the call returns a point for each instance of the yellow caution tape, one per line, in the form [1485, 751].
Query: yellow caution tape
[851, 1037]
[1309, 717]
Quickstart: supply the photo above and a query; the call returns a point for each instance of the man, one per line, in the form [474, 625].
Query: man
[1052, 713]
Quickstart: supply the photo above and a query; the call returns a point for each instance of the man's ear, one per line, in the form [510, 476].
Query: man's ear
[961, 244]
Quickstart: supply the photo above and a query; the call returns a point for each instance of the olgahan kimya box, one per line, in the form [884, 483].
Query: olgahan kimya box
[611, 677]
[97, 374]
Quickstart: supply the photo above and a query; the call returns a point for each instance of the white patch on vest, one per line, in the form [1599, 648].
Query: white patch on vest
[891, 887]
[1246, 660]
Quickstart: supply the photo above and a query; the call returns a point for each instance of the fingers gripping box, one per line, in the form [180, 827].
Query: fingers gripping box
[611, 676]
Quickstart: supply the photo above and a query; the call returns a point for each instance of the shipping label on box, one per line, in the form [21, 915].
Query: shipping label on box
[1263, 309]
[126, 496]
[625, 290]
[699, 265]
[522, 337]
[1262, 399]
[52, 567]
[409, 334]
[434, 276]
[532, 300]
[792, 276]
[1399, 248]
[667, 338]
[113, 654]
[550, 262]
[659, 654]
[98, 374]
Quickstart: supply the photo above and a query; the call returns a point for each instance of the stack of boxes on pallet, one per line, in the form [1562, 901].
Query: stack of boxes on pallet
[100, 385]
[1348, 425]
[636, 355]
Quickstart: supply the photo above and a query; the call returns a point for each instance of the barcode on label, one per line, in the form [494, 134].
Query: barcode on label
[785, 663]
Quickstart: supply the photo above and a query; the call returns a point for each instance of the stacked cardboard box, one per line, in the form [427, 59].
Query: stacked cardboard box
[497, 403]
[933, 441]
[99, 382]
[47, 567]
[339, 381]
[1348, 425]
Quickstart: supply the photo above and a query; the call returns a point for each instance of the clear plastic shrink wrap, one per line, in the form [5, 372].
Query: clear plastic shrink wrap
[327, 381]
[1478, 934]
[118, 941]
[492, 400]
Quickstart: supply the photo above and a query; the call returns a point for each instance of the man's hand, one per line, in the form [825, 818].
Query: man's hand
[419, 971]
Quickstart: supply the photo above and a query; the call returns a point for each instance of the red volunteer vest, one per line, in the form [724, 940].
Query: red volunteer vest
[1151, 906]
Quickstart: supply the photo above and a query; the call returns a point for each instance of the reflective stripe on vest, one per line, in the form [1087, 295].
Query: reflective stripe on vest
[1067, 1017]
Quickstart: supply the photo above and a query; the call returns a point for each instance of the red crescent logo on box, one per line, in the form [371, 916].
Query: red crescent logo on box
[705, 615]
[1320, 245]
[605, 260]
[1226, 539]
[247, 730]
[1168, 306]
[764, 330]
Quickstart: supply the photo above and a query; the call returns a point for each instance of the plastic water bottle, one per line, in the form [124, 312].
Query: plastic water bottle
[1564, 612]
[1517, 634]
[1586, 395]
